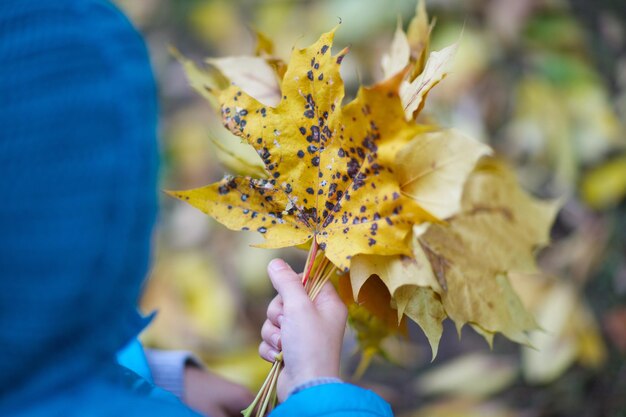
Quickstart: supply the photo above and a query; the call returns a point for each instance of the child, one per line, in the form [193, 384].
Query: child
[79, 166]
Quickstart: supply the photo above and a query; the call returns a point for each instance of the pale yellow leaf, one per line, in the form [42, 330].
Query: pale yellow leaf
[433, 168]
[498, 230]
[399, 54]
[413, 94]
[253, 75]
[418, 37]
[424, 307]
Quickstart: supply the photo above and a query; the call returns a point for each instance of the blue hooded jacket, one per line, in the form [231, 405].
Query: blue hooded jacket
[78, 165]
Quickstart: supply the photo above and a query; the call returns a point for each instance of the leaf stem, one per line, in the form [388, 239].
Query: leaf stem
[310, 261]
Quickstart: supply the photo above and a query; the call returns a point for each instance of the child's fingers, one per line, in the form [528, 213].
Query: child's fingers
[288, 285]
[271, 334]
[274, 310]
[267, 352]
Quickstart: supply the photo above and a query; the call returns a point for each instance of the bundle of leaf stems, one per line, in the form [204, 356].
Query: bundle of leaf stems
[318, 270]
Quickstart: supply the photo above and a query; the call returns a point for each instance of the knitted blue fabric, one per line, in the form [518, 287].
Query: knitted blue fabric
[77, 182]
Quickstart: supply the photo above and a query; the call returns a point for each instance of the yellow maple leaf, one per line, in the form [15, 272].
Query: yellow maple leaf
[327, 178]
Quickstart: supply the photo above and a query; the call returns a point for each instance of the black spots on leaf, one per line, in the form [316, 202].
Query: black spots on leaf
[322, 246]
[320, 77]
[259, 140]
[320, 191]
[341, 153]
[245, 228]
[243, 112]
[325, 115]
[302, 130]
[309, 101]
[320, 121]
[312, 148]
[244, 197]
[262, 230]
[395, 196]
[324, 49]
[369, 144]
[288, 188]
[329, 205]
[271, 167]
[358, 181]
[309, 75]
[360, 152]
[309, 106]
[328, 220]
[229, 207]
[300, 153]
[362, 209]
[254, 215]
[268, 198]
[246, 211]
[332, 189]
[388, 220]
[353, 168]
[339, 194]
[315, 161]
[276, 174]
[376, 216]
[344, 218]
[332, 107]
[308, 214]
[371, 242]
[264, 154]
[376, 168]
[373, 229]
[263, 112]
[346, 230]
[310, 191]
[227, 185]
[340, 58]
[327, 133]
[315, 133]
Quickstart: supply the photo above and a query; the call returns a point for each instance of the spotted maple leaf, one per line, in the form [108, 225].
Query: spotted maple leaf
[329, 174]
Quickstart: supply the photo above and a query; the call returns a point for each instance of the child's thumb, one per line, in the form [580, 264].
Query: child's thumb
[288, 284]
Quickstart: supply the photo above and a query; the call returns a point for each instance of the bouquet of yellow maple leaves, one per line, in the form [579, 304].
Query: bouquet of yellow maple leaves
[375, 196]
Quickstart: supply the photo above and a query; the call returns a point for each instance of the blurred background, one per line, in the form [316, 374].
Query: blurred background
[542, 81]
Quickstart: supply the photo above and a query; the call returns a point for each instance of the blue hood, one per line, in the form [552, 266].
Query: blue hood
[78, 163]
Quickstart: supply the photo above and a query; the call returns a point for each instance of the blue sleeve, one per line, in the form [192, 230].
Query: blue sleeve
[333, 400]
[133, 357]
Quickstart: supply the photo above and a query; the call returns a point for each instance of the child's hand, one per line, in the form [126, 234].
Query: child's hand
[212, 395]
[310, 333]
